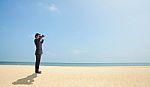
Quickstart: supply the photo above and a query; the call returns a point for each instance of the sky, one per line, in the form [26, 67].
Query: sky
[76, 31]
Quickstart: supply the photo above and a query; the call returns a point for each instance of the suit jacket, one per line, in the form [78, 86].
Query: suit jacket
[38, 44]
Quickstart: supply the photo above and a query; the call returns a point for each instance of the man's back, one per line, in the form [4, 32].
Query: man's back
[38, 44]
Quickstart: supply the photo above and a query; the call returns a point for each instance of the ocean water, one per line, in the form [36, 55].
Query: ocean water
[76, 64]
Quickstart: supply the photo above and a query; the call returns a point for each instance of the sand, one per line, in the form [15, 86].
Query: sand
[65, 76]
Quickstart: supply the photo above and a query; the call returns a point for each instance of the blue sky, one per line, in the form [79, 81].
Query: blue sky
[99, 31]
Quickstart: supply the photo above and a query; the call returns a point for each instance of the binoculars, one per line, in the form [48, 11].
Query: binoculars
[41, 36]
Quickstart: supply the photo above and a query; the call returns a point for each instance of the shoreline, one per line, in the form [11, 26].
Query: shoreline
[74, 64]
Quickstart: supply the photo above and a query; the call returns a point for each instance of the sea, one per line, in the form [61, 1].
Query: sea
[74, 64]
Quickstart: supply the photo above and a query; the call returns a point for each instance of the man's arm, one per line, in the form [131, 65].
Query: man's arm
[42, 40]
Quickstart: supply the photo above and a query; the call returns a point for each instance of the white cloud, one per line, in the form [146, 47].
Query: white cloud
[31, 36]
[78, 51]
[52, 7]
[49, 54]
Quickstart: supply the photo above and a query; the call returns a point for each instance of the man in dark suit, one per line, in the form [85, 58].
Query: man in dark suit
[38, 52]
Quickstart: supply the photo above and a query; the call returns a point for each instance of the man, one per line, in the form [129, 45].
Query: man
[38, 52]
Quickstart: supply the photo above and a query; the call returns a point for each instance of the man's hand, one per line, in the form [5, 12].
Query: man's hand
[41, 40]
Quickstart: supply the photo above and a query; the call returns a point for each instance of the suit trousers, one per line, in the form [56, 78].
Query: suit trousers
[37, 62]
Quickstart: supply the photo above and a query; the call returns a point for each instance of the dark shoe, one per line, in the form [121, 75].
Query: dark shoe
[38, 72]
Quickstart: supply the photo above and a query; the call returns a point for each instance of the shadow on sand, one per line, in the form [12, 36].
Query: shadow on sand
[26, 81]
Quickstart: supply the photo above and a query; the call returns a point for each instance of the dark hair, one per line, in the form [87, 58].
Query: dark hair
[36, 34]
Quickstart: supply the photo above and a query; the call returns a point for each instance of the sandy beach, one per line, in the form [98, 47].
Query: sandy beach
[65, 76]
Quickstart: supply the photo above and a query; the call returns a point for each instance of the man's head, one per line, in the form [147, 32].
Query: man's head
[37, 35]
